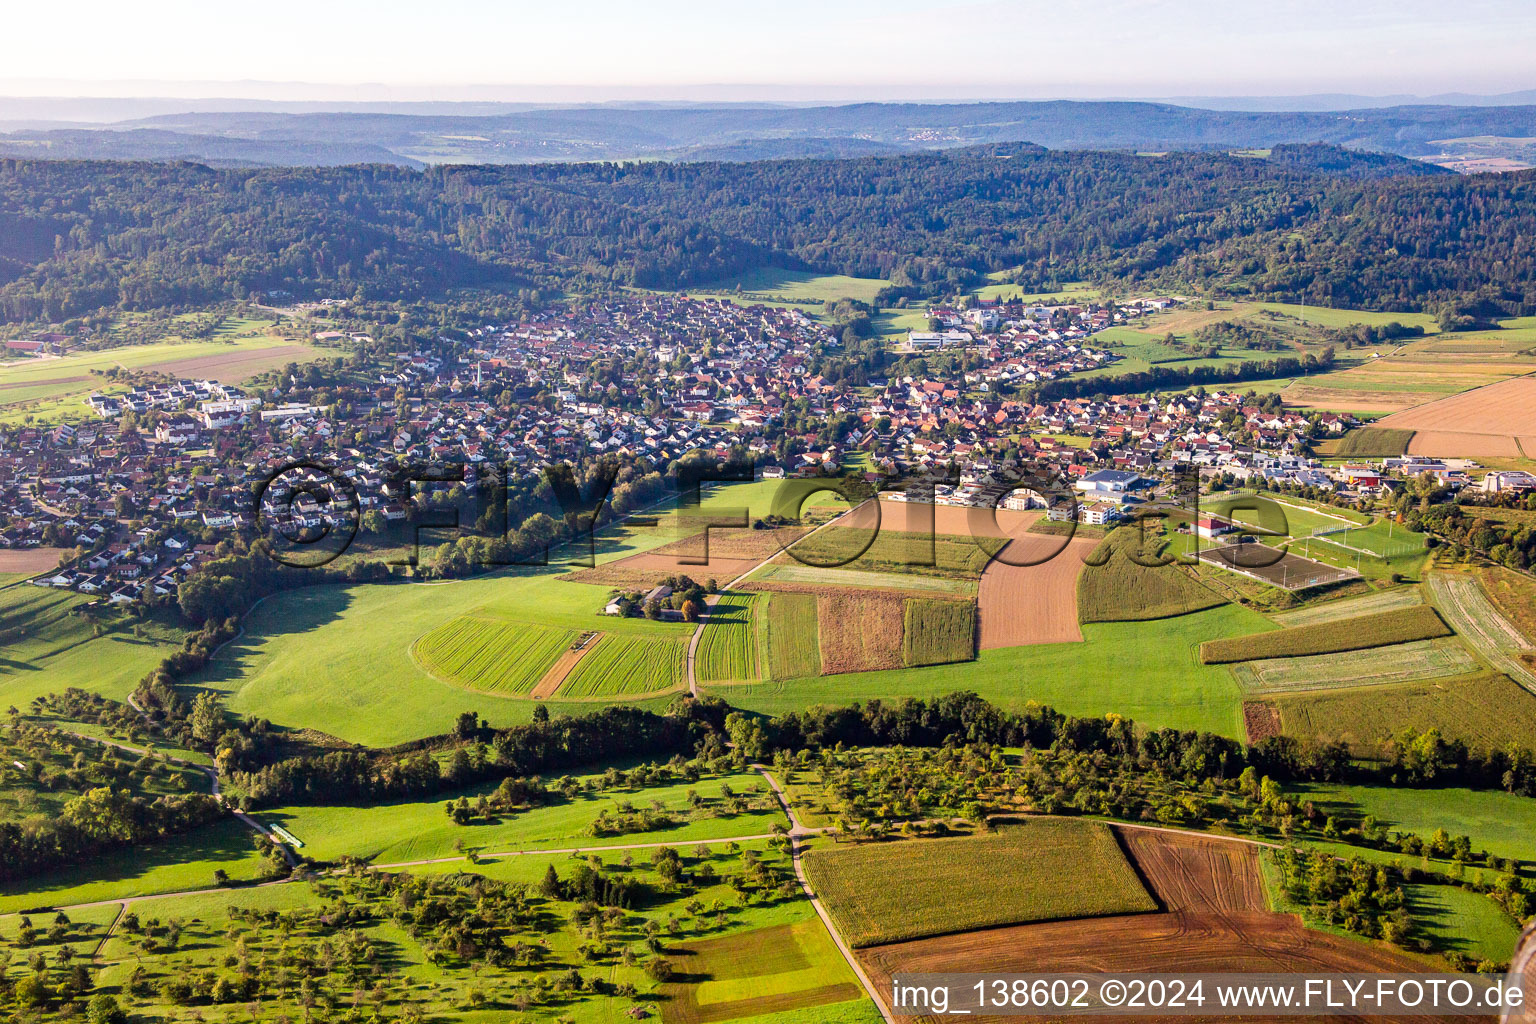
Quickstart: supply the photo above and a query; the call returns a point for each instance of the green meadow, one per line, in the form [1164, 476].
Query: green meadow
[406, 831]
[1149, 671]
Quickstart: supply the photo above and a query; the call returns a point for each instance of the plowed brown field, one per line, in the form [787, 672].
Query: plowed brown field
[1483, 422]
[1033, 604]
[29, 560]
[1215, 919]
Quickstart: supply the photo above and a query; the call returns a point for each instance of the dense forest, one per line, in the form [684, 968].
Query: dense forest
[1311, 222]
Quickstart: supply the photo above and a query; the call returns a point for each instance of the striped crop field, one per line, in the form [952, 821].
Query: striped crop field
[1349, 608]
[627, 665]
[728, 650]
[794, 646]
[1399, 663]
[938, 632]
[495, 655]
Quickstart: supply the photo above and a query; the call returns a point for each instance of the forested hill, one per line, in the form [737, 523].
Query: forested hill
[1341, 228]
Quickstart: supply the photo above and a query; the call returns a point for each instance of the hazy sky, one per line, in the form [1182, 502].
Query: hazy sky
[943, 47]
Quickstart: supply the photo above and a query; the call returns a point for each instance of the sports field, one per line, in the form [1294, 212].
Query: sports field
[891, 892]
[1275, 567]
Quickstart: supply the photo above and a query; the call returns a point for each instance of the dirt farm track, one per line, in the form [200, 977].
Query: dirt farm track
[1215, 918]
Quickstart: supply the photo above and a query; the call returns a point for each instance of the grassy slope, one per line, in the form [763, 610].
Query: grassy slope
[1148, 671]
[1500, 822]
[44, 648]
[418, 830]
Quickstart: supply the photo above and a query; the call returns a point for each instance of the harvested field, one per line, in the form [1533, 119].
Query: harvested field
[728, 543]
[1273, 566]
[1497, 640]
[938, 632]
[1115, 588]
[29, 561]
[1488, 711]
[1215, 918]
[236, 366]
[1513, 594]
[767, 970]
[1349, 608]
[658, 565]
[1033, 604]
[859, 632]
[1482, 422]
[1463, 444]
[562, 667]
[495, 655]
[1399, 663]
[810, 579]
[888, 892]
[1261, 720]
[793, 647]
[944, 520]
[1379, 630]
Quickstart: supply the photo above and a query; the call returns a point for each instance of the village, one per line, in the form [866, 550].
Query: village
[137, 497]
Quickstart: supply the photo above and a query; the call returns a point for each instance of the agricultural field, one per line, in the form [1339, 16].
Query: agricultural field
[785, 968]
[494, 655]
[1214, 916]
[1029, 595]
[859, 632]
[813, 579]
[896, 891]
[1467, 922]
[730, 806]
[1367, 443]
[186, 861]
[728, 649]
[1399, 663]
[1350, 607]
[1487, 711]
[887, 550]
[55, 387]
[1513, 594]
[1502, 823]
[1489, 421]
[938, 632]
[1379, 630]
[794, 649]
[774, 286]
[1151, 673]
[628, 665]
[1114, 588]
[1466, 607]
[24, 562]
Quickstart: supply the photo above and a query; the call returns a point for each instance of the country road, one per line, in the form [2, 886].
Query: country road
[709, 602]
